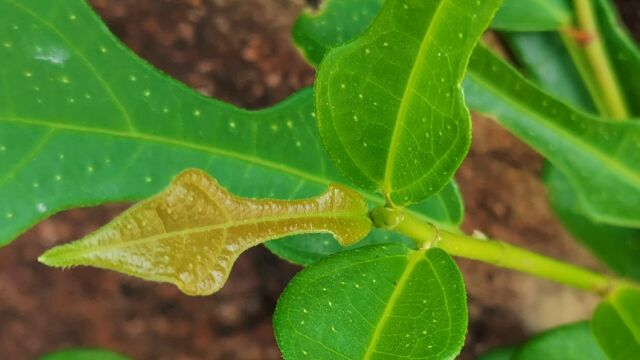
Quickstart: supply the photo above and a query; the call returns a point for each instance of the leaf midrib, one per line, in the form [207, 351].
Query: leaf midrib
[355, 215]
[215, 151]
[406, 97]
[414, 259]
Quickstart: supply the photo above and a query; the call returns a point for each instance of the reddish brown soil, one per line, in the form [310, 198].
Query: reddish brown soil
[239, 51]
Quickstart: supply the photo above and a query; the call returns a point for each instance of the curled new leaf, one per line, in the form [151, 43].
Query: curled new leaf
[192, 233]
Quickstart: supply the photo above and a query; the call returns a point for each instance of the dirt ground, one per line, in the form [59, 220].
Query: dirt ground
[240, 51]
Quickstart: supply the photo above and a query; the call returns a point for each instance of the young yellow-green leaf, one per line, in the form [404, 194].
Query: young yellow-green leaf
[84, 121]
[599, 157]
[389, 105]
[83, 354]
[192, 233]
[376, 302]
[533, 15]
[616, 324]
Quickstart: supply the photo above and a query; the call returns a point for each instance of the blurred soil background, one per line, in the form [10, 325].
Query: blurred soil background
[240, 51]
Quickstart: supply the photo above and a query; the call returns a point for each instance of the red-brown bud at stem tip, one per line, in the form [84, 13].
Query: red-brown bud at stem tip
[581, 37]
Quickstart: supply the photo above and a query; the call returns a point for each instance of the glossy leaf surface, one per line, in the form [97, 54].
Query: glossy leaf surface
[599, 157]
[533, 15]
[568, 342]
[83, 121]
[378, 302]
[616, 324]
[83, 354]
[390, 122]
[192, 233]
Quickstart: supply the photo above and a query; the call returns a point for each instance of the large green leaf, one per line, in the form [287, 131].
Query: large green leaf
[389, 105]
[568, 342]
[84, 121]
[193, 232]
[533, 15]
[378, 302]
[608, 180]
[548, 63]
[83, 354]
[599, 157]
[616, 324]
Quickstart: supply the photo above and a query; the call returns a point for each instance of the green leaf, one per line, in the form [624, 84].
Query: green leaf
[192, 233]
[315, 32]
[599, 157]
[533, 15]
[568, 342]
[616, 324]
[83, 121]
[83, 354]
[622, 51]
[495, 96]
[548, 63]
[378, 302]
[618, 247]
[498, 354]
[376, 93]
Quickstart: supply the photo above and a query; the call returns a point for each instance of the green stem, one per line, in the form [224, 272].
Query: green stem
[601, 69]
[496, 252]
[584, 69]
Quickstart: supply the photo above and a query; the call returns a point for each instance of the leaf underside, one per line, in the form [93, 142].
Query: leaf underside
[84, 121]
[192, 233]
[377, 302]
[389, 105]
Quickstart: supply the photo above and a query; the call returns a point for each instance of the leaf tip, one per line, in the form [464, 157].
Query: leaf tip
[53, 258]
